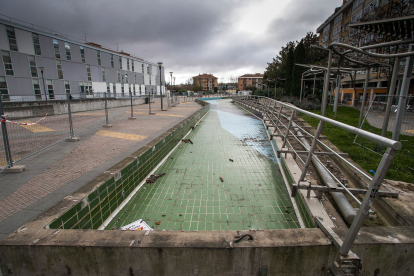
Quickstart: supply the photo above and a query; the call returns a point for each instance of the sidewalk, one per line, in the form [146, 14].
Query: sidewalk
[60, 170]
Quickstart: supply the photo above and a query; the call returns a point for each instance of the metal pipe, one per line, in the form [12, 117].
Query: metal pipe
[132, 108]
[367, 202]
[390, 97]
[7, 151]
[343, 204]
[361, 113]
[106, 109]
[336, 99]
[403, 95]
[326, 85]
[371, 136]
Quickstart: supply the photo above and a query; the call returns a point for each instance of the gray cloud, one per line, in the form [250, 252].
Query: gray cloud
[188, 36]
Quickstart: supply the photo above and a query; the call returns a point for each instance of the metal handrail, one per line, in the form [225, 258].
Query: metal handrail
[396, 145]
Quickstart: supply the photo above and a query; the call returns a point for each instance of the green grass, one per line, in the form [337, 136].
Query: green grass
[403, 160]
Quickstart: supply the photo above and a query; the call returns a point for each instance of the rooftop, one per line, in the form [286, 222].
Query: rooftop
[257, 75]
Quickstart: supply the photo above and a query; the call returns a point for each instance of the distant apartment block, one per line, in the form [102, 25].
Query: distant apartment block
[207, 81]
[69, 66]
[249, 80]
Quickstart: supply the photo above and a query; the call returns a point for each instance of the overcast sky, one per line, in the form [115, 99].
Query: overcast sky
[222, 37]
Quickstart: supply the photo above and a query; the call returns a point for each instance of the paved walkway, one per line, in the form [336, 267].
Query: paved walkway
[62, 169]
[227, 179]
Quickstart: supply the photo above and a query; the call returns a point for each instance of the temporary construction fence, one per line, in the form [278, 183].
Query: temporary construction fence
[32, 126]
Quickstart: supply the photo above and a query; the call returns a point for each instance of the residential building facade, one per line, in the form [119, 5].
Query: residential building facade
[249, 80]
[35, 63]
[207, 81]
[335, 29]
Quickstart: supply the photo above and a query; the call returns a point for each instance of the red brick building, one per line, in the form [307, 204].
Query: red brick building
[207, 81]
[249, 80]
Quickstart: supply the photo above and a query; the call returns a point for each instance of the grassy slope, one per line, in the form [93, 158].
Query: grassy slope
[403, 160]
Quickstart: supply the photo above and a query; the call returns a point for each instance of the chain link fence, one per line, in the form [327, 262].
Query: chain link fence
[29, 125]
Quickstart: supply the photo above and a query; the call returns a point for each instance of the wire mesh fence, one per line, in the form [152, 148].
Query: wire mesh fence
[32, 125]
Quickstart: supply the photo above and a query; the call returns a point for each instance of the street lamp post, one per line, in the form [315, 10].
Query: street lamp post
[43, 79]
[160, 65]
[171, 73]
[174, 83]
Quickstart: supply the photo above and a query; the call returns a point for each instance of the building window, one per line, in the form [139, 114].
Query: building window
[114, 87]
[143, 79]
[346, 14]
[112, 61]
[336, 30]
[132, 65]
[59, 69]
[338, 19]
[7, 63]
[326, 29]
[50, 89]
[357, 3]
[135, 78]
[148, 70]
[67, 87]
[135, 92]
[56, 47]
[67, 49]
[122, 90]
[88, 71]
[140, 91]
[385, 2]
[36, 44]
[126, 78]
[98, 56]
[36, 89]
[371, 6]
[119, 75]
[356, 17]
[108, 88]
[103, 74]
[142, 68]
[128, 64]
[130, 92]
[3, 89]
[82, 53]
[12, 38]
[33, 68]
[120, 62]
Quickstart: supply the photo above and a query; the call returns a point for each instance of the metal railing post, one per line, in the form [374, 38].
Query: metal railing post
[70, 117]
[278, 120]
[288, 129]
[106, 109]
[5, 136]
[390, 97]
[311, 150]
[367, 202]
[132, 109]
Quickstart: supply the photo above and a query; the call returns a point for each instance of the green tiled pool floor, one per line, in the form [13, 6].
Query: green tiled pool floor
[191, 195]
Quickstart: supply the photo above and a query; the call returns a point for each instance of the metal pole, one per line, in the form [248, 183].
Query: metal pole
[301, 89]
[326, 85]
[149, 101]
[106, 108]
[338, 83]
[132, 109]
[367, 202]
[390, 97]
[44, 87]
[363, 98]
[7, 151]
[314, 83]
[161, 89]
[70, 116]
[311, 150]
[288, 129]
[275, 87]
[403, 96]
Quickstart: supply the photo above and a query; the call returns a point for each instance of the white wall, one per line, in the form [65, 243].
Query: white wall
[137, 66]
[137, 88]
[146, 79]
[4, 42]
[118, 88]
[143, 89]
[153, 80]
[155, 70]
[24, 41]
[99, 86]
[124, 64]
